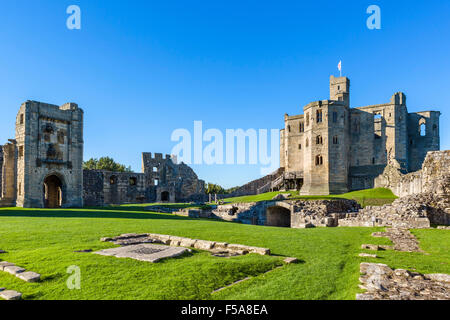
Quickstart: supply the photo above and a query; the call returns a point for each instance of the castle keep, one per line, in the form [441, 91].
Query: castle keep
[43, 167]
[332, 148]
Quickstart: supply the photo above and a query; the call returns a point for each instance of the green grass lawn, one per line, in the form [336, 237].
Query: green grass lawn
[44, 240]
[378, 196]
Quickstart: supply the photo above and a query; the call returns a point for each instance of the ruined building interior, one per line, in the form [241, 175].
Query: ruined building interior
[332, 148]
[43, 167]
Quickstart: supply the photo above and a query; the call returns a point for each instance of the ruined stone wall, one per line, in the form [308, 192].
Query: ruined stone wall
[413, 211]
[299, 213]
[165, 175]
[256, 186]
[9, 172]
[420, 144]
[368, 138]
[93, 193]
[436, 173]
[433, 178]
[105, 187]
[49, 143]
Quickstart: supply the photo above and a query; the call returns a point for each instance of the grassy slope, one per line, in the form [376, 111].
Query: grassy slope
[377, 196]
[44, 241]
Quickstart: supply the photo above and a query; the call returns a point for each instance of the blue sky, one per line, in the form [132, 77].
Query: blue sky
[141, 69]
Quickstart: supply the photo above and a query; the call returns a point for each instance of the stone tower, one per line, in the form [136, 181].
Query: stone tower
[49, 152]
[332, 148]
[326, 130]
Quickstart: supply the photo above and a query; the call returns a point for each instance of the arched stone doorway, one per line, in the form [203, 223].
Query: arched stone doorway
[165, 196]
[277, 216]
[53, 192]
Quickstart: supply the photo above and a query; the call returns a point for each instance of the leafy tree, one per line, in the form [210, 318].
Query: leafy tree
[105, 163]
[215, 188]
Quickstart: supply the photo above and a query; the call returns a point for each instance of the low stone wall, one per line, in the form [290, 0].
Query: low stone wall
[252, 187]
[415, 211]
[212, 246]
[383, 283]
[194, 213]
[433, 178]
[301, 213]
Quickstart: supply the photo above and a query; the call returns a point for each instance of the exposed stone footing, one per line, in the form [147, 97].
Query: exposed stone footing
[402, 238]
[10, 295]
[19, 272]
[383, 283]
[212, 246]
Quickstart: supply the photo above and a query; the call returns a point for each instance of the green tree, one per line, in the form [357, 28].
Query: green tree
[105, 163]
[215, 188]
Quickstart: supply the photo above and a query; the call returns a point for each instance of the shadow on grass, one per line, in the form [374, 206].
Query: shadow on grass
[87, 213]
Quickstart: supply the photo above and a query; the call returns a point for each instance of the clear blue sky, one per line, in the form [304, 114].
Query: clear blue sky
[141, 69]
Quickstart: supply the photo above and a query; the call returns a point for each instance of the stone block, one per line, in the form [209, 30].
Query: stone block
[144, 252]
[439, 277]
[5, 264]
[189, 243]
[29, 276]
[204, 245]
[374, 268]
[261, 251]
[10, 295]
[367, 255]
[238, 247]
[290, 260]
[221, 245]
[14, 270]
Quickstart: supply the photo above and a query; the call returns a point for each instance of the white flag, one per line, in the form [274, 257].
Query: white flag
[340, 66]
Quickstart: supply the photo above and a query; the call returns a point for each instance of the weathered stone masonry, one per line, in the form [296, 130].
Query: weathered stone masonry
[42, 167]
[332, 148]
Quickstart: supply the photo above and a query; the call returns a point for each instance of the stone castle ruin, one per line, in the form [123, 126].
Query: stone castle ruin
[332, 148]
[43, 167]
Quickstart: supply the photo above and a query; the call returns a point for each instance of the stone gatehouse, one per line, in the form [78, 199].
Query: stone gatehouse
[43, 167]
[332, 148]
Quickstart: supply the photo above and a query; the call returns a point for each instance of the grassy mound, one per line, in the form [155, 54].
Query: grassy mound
[378, 196]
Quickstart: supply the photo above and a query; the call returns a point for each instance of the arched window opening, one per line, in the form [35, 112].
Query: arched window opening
[319, 160]
[319, 116]
[319, 140]
[302, 127]
[423, 130]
